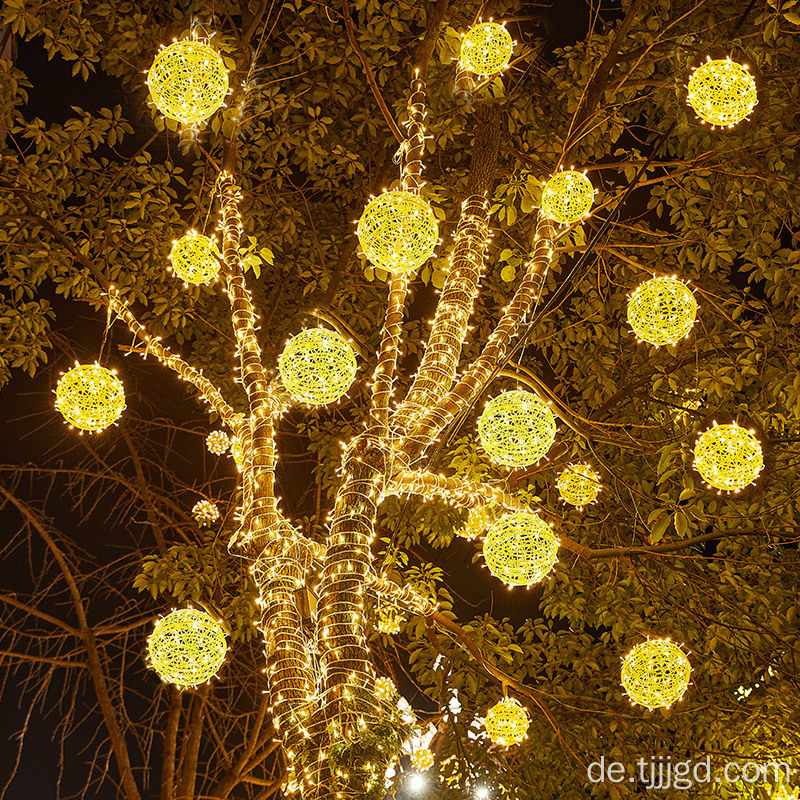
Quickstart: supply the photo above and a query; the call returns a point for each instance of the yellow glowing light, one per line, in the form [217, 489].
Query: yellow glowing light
[317, 366]
[662, 311]
[188, 81]
[187, 647]
[422, 759]
[90, 397]
[398, 231]
[237, 451]
[385, 689]
[656, 673]
[517, 428]
[194, 258]
[486, 48]
[218, 442]
[478, 521]
[578, 485]
[205, 512]
[389, 620]
[722, 92]
[507, 722]
[520, 549]
[567, 197]
[728, 457]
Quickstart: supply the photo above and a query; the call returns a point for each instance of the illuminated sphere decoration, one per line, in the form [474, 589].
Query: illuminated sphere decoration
[205, 512]
[486, 48]
[722, 92]
[385, 689]
[398, 231]
[520, 549]
[516, 428]
[656, 673]
[317, 366]
[422, 759]
[578, 485]
[218, 442]
[662, 311]
[507, 722]
[389, 620]
[90, 397]
[188, 81]
[567, 197]
[728, 457]
[187, 647]
[194, 258]
[478, 522]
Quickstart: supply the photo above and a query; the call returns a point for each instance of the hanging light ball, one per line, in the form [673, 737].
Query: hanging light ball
[194, 258]
[728, 457]
[205, 512]
[486, 48]
[507, 722]
[218, 442]
[656, 673]
[520, 549]
[90, 397]
[389, 620]
[578, 485]
[567, 197]
[187, 647]
[398, 231]
[422, 759]
[317, 366]
[385, 689]
[478, 522]
[188, 81]
[662, 311]
[517, 428]
[722, 92]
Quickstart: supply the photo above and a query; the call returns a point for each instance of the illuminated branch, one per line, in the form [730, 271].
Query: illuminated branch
[403, 596]
[415, 144]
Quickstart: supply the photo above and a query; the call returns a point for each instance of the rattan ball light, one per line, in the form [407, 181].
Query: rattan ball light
[517, 428]
[507, 722]
[188, 81]
[187, 647]
[398, 231]
[218, 442]
[385, 689]
[578, 485]
[422, 759]
[317, 366]
[728, 457]
[90, 397]
[722, 92]
[567, 197]
[486, 48]
[194, 258]
[662, 311]
[656, 673]
[520, 549]
[205, 512]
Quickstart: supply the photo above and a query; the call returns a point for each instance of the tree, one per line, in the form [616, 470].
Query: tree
[90, 206]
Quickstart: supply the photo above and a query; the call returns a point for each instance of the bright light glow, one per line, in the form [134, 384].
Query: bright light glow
[90, 397]
[662, 311]
[486, 49]
[567, 197]
[481, 793]
[194, 258]
[722, 92]
[728, 457]
[520, 549]
[416, 782]
[656, 673]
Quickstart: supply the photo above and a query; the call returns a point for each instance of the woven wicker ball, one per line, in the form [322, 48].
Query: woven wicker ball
[90, 397]
[662, 311]
[187, 647]
[188, 81]
[317, 366]
[656, 673]
[486, 49]
[389, 620]
[722, 92]
[398, 231]
[205, 512]
[517, 428]
[520, 549]
[218, 442]
[578, 485]
[385, 689]
[478, 522]
[422, 759]
[507, 722]
[567, 197]
[728, 457]
[194, 258]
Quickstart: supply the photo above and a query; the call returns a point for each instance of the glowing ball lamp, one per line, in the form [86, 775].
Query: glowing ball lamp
[567, 197]
[656, 673]
[385, 689]
[662, 311]
[507, 722]
[722, 92]
[218, 442]
[486, 48]
[422, 759]
[520, 549]
[90, 397]
[205, 512]
[194, 258]
[728, 457]
[578, 485]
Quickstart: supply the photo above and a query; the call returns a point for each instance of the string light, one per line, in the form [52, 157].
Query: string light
[218, 442]
[390, 620]
[656, 673]
[478, 521]
[194, 258]
[520, 549]
[517, 428]
[317, 366]
[188, 81]
[722, 92]
[398, 231]
[205, 512]
[662, 311]
[507, 722]
[578, 485]
[567, 197]
[90, 397]
[385, 689]
[486, 48]
[728, 457]
[422, 759]
[187, 647]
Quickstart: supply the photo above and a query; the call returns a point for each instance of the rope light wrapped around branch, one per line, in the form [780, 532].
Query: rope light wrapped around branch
[486, 49]
[722, 92]
[728, 457]
[90, 397]
[520, 549]
[656, 673]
